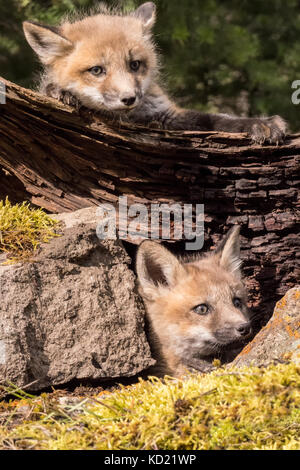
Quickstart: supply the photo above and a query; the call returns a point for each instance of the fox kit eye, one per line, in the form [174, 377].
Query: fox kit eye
[135, 65]
[237, 302]
[202, 309]
[97, 71]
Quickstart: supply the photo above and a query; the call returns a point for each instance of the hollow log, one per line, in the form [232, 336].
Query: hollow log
[63, 159]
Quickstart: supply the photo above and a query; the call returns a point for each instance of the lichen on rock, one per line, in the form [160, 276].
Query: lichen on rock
[279, 340]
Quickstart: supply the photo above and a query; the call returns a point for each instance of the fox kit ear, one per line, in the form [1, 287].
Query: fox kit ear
[147, 14]
[46, 41]
[156, 266]
[229, 252]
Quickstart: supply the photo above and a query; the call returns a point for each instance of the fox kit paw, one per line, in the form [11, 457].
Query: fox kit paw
[67, 98]
[64, 96]
[271, 130]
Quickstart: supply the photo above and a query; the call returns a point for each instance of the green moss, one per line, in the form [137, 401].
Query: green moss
[250, 408]
[23, 229]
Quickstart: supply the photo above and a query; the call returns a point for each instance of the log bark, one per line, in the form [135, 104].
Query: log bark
[62, 160]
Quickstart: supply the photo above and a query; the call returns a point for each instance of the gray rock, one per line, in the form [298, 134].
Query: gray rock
[279, 340]
[72, 313]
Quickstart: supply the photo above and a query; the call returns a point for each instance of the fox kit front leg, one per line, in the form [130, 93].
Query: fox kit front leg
[159, 108]
[260, 130]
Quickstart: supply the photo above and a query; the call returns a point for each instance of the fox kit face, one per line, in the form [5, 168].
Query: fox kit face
[107, 61]
[198, 308]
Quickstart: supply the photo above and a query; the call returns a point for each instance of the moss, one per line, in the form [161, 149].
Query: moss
[23, 229]
[250, 408]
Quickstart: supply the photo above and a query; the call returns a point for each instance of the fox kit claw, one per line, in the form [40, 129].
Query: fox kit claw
[271, 130]
[67, 98]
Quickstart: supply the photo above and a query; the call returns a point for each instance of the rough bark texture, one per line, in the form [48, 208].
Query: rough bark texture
[73, 313]
[63, 161]
[279, 340]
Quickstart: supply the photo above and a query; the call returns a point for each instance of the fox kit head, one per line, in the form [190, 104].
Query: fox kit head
[108, 60]
[197, 308]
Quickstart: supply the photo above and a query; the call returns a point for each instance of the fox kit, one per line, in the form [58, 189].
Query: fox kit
[196, 309]
[107, 62]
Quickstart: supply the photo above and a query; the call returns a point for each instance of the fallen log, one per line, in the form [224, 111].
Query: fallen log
[62, 159]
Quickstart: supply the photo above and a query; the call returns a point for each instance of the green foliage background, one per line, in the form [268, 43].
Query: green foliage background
[232, 55]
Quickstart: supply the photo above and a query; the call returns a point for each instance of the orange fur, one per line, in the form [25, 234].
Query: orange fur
[172, 289]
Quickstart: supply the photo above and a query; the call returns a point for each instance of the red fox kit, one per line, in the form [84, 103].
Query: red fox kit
[196, 309]
[108, 62]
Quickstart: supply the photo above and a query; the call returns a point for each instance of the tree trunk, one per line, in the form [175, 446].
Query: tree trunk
[63, 160]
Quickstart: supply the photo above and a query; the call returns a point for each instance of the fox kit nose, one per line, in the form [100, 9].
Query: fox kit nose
[129, 101]
[244, 329]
